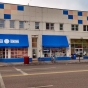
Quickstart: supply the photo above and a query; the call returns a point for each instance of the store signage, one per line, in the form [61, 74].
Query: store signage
[46, 49]
[7, 41]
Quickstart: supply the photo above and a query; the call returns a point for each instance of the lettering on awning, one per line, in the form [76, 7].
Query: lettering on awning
[7, 41]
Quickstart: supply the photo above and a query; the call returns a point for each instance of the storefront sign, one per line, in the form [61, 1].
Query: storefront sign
[46, 49]
[6, 41]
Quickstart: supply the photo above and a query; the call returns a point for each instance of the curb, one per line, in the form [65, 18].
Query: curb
[34, 64]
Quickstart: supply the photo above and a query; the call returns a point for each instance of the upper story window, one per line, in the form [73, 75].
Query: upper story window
[85, 27]
[74, 27]
[36, 25]
[21, 24]
[50, 26]
[61, 26]
[12, 24]
[2, 23]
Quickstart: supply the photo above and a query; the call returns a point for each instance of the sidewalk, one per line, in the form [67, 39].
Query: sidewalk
[82, 61]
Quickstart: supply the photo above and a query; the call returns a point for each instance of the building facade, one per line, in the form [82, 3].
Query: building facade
[41, 32]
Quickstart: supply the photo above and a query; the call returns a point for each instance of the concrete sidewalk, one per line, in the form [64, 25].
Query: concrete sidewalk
[41, 63]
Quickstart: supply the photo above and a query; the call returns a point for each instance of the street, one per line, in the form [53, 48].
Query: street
[45, 76]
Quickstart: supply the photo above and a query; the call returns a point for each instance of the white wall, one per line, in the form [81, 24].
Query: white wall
[42, 15]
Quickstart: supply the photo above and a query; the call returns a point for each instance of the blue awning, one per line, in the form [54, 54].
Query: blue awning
[54, 41]
[13, 41]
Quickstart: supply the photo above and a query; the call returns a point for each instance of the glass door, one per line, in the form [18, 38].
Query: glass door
[79, 51]
[34, 47]
[34, 53]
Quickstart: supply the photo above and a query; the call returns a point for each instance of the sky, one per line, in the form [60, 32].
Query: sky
[62, 4]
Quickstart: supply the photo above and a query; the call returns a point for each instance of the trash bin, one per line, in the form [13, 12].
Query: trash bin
[73, 56]
[26, 60]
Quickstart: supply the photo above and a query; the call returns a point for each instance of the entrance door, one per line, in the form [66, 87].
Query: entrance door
[34, 53]
[79, 50]
[34, 47]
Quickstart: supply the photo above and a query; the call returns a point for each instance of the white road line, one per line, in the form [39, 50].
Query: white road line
[24, 73]
[45, 86]
[39, 68]
[2, 82]
[47, 73]
[42, 86]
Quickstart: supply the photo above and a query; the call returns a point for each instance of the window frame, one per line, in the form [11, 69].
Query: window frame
[49, 26]
[12, 25]
[61, 28]
[37, 25]
[2, 23]
[86, 28]
[21, 25]
[74, 27]
[34, 42]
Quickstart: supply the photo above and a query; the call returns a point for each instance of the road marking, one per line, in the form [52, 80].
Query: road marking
[42, 86]
[24, 73]
[46, 73]
[39, 68]
[2, 82]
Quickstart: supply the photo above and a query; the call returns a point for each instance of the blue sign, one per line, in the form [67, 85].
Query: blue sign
[14, 40]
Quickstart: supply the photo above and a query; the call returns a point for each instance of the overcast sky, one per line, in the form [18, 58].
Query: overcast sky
[62, 4]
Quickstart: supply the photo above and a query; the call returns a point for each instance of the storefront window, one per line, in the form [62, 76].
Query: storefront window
[78, 45]
[72, 45]
[85, 45]
[85, 41]
[54, 51]
[18, 52]
[76, 41]
[58, 52]
[81, 45]
[3, 53]
[85, 51]
[46, 52]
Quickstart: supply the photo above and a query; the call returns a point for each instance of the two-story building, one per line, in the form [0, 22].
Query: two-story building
[41, 32]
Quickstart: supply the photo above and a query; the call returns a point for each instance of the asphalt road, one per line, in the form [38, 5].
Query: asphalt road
[45, 76]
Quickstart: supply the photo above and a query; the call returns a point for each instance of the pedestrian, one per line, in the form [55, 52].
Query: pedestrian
[52, 58]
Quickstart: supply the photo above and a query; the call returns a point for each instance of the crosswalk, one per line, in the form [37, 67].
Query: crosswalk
[33, 72]
[2, 82]
[15, 71]
[23, 71]
[19, 70]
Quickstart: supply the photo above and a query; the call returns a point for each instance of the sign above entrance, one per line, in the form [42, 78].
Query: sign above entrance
[14, 41]
[7, 41]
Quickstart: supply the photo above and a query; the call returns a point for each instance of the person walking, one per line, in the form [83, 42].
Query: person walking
[52, 58]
